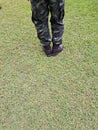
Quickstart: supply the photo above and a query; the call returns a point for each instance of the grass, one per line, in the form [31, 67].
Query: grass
[55, 93]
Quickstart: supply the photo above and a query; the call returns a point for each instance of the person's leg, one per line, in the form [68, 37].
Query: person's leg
[57, 26]
[40, 13]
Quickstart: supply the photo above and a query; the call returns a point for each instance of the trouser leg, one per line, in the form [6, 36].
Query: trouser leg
[57, 15]
[40, 13]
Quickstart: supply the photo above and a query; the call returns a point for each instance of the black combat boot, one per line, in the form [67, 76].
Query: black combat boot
[47, 50]
[57, 48]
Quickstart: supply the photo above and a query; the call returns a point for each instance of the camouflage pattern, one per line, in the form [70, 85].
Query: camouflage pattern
[40, 15]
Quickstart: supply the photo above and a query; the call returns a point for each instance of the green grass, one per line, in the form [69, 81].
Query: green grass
[55, 93]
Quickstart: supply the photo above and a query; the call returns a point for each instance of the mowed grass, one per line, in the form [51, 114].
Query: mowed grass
[55, 93]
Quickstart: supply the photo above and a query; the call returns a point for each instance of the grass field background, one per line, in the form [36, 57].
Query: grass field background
[55, 93]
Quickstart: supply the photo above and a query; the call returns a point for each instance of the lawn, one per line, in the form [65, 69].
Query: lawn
[48, 93]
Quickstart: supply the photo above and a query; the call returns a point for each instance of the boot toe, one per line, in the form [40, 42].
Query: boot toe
[57, 49]
[47, 50]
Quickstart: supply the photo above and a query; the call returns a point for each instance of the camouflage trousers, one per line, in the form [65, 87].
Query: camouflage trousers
[40, 15]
